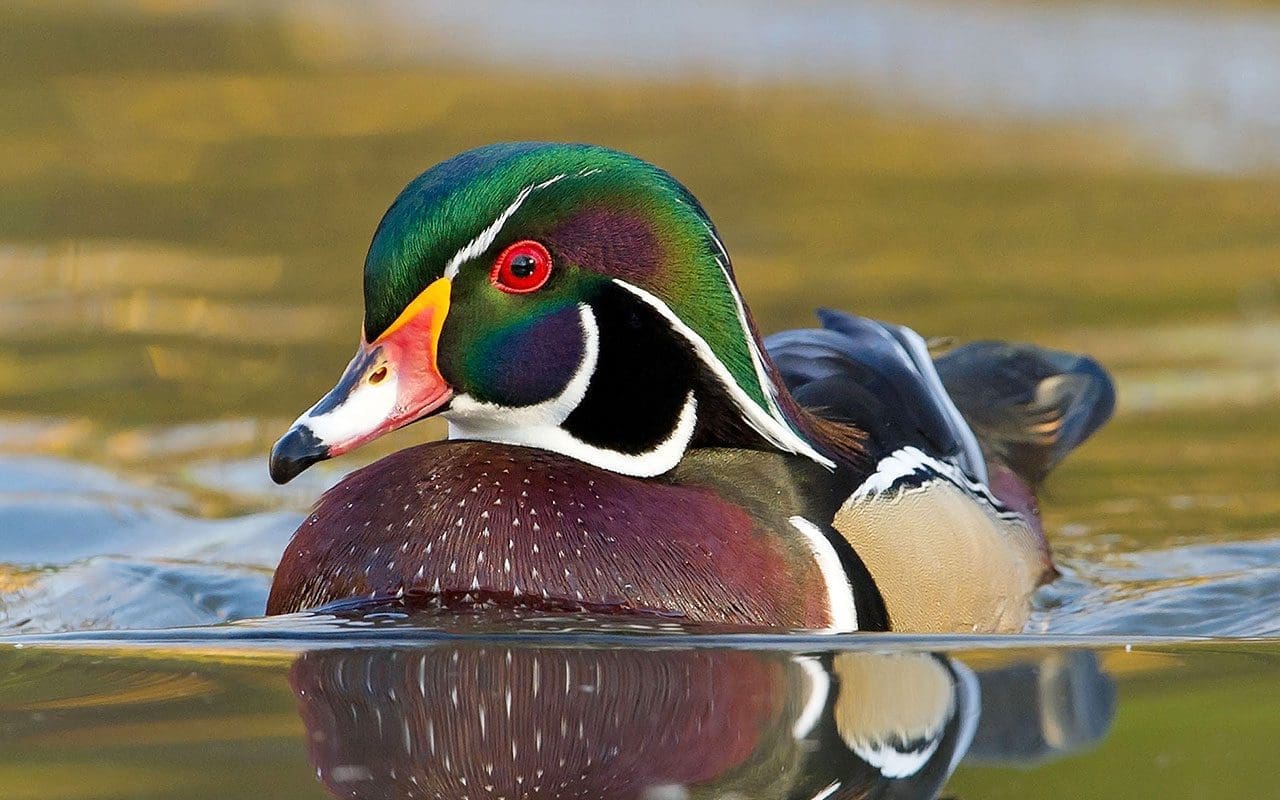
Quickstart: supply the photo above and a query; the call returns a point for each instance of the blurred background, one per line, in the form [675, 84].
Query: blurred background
[187, 190]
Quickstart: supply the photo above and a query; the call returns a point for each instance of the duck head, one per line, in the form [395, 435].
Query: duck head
[565, 297]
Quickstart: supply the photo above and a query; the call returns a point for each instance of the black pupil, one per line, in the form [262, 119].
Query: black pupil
[522, 266]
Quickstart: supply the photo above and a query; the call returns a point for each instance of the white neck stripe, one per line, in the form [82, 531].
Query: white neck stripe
[662, 458]
[776, 430]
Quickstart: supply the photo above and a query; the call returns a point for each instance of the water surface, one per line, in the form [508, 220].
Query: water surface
[398, 711]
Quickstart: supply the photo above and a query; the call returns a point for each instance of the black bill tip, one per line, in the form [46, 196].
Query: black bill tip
[296, 450]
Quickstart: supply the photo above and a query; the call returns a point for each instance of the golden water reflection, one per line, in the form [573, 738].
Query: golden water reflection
[486, 719]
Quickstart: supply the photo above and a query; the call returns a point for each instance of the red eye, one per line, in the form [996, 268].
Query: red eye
[522, 267]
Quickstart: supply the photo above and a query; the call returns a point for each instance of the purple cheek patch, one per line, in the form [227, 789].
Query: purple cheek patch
[531, 361]
[609, 241]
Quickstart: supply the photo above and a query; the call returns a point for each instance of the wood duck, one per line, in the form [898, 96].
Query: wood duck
[622, 440]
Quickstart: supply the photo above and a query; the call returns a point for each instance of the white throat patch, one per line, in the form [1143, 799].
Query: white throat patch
[365, 404]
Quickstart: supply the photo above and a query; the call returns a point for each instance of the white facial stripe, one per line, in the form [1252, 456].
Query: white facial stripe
[538, 425]
[361, 411]
[773, 428]
[843, 608]
[757, 358]
[481, 243]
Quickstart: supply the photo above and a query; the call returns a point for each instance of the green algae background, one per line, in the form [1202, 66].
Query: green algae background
[233, 148]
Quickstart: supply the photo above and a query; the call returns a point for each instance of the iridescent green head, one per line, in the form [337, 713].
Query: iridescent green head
[561, 296]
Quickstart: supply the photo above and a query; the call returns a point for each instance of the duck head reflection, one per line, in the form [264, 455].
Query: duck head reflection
[470, 720]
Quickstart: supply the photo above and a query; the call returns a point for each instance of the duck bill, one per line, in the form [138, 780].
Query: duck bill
[392, 382]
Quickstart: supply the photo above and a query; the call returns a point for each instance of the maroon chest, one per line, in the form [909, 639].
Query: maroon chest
[469, 520]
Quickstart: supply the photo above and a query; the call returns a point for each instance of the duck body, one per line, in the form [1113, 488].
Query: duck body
[469, 521]
[622, 440]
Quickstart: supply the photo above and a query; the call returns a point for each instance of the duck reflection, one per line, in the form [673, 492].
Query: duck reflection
[472, 721]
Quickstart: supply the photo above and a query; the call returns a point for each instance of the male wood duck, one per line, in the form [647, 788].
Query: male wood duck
[622, 440]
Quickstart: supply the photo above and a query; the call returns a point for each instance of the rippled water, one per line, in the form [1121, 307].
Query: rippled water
[187, 197]
[316, 707]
